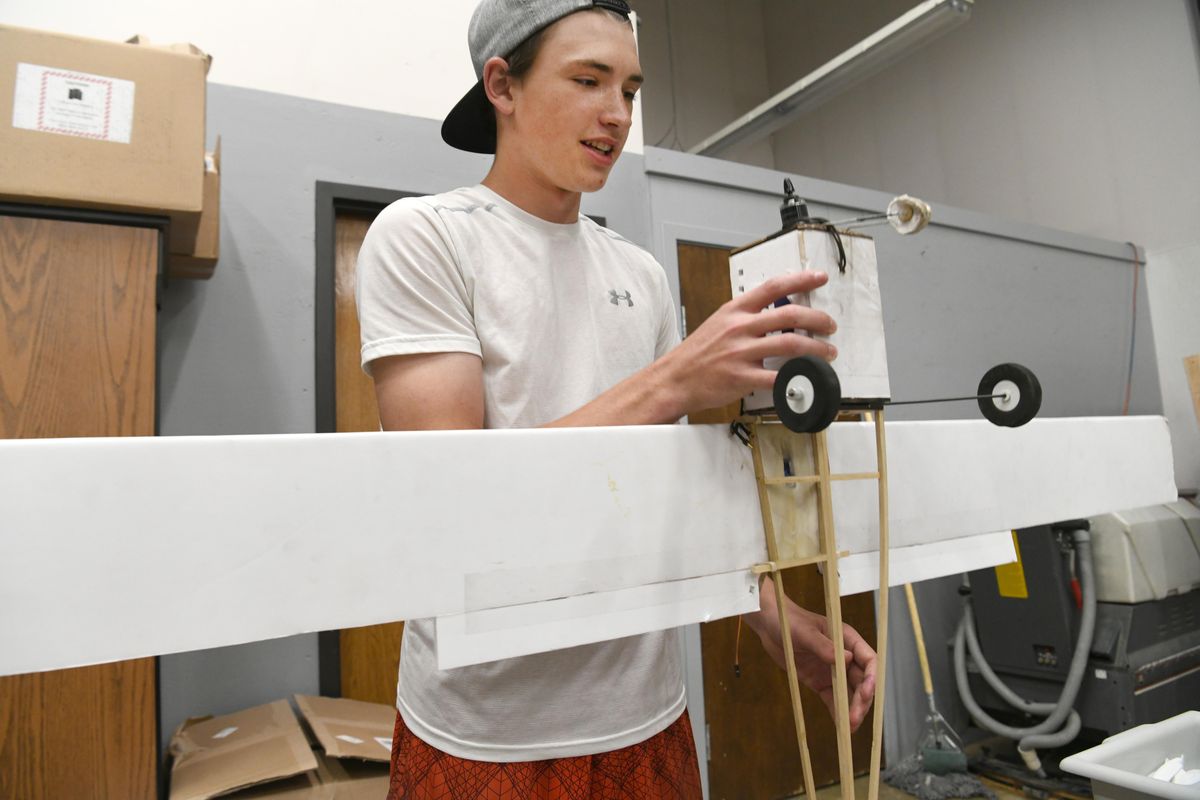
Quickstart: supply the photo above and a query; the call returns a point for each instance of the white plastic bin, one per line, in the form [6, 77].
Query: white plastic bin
[1119, 767]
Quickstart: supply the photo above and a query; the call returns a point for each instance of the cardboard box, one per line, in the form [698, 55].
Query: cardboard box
[342, 753]
[96, 124]
[195, 241]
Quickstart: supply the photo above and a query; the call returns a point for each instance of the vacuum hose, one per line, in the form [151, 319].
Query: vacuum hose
[1051, 732]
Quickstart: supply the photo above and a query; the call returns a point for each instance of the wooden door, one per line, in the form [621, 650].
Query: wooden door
[369, 656]
[77, 359]
[752, 739]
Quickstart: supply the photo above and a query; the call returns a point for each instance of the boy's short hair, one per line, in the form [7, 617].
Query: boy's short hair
[498, 27]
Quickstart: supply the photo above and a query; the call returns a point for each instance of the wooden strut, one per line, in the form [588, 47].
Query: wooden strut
[833, 617]
[828, 556]
[881, 617]
[785, 634]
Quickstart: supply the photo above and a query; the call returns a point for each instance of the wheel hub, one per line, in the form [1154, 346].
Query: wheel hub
[800, 394]
[1011, 395]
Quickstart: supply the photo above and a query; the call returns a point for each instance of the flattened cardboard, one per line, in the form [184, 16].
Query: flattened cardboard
[217, 755]
[349, 729]
[157, 172]
[347, 779]
[332, 780]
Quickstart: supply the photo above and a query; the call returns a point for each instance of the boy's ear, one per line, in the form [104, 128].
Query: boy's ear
[498, 84]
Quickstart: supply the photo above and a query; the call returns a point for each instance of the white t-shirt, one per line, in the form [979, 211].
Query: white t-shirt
[558, 314]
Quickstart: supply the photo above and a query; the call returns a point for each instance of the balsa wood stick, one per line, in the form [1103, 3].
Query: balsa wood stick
[833, 616]
[785, 637]
[881, 621]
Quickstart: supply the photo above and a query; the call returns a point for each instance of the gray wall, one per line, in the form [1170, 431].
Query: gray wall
[1078, 114]
[237, 351]
[704, 69]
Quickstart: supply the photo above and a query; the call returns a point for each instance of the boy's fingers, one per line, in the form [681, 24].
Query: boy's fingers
[793, 317]
[790, 345]
[769, 291]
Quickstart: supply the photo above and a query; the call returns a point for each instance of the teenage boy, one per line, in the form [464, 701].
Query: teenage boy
[499, 306]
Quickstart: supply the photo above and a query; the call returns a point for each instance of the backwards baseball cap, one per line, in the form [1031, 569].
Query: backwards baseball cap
[497, 27]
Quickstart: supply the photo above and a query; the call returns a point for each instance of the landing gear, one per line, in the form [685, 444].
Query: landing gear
[808, 395]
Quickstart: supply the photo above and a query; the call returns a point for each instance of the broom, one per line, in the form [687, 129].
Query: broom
[938, 770]
[940, 748]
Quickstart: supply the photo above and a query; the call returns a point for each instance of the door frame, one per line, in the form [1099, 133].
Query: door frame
[332, 198]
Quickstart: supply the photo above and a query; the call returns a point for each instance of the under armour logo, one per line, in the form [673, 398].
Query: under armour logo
[616, 299]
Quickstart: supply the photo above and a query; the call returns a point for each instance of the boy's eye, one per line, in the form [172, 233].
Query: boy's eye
[630, 96]
[586, 81]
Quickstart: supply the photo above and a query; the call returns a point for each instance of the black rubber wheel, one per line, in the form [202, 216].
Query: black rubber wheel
[816, 394]
[1023, 395]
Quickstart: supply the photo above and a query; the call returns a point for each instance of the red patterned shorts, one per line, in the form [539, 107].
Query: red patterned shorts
[663, 766]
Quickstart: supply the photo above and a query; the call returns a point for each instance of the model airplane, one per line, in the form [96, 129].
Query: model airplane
[809, 392]
[521, 541]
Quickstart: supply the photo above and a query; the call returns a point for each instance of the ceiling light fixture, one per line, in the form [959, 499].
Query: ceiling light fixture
[889, 44]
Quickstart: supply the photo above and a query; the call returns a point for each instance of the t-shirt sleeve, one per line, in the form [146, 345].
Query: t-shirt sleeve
[411, 291]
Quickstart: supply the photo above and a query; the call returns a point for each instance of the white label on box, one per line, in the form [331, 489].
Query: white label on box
[345, 737]
[73, 103]
[221, 734]
[385, 742]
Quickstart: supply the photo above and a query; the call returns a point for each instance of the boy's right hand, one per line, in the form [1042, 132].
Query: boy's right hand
[722, 360]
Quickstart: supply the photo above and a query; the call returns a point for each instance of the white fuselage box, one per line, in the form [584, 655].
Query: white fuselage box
[851, 297]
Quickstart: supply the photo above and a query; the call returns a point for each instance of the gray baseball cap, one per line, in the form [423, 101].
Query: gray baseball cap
[497, 27]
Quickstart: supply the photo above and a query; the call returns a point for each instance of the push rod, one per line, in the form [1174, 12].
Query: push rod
[945, 399]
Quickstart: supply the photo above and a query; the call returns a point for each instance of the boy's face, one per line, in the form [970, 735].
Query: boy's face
[573, 108]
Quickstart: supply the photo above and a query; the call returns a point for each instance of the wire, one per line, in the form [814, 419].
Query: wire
[741, 432]
[671, 130]
[869, 217]
[1132, 331]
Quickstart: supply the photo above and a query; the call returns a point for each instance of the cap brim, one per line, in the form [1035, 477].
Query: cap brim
[471, 124]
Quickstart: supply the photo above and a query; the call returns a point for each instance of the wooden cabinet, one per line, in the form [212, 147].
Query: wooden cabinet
[77, 358]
